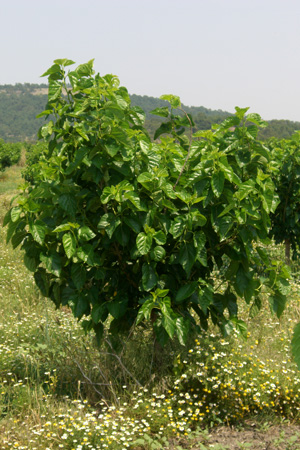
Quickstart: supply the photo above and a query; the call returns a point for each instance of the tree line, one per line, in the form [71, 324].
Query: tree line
[21, 103]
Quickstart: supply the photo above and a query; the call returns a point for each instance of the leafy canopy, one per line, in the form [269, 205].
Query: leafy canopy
[124, 230]
[286, 176]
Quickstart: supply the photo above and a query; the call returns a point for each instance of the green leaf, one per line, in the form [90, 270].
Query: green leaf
[168, 323]
[11, 230]
[69, 243]
[15, 214]
[186, 291]
[109, 222]
[158, 253]
[162, 112]
[133, 224]
[82, 306]
[85, 233]
[122, 234]
[54, 90]
[7, 218]
[240, 112]
[55, 68]
[217, 183]
[283, 286]
[68, 203]
[146, 179]
[31, 263]
[243, 280]
[107, 195]
[85, 70]
[172, 99]
[267, 200]
[223, 225]
[197, 219]
[162, 292]
[78, 275]
[64, 62]
[149, 277]
[184, 196]
[42, 281]
[53, 263]
[160, 333]
[18, 238]
[38, 231]
[143, 243]
[199, 239]
[182, 329]
[246, 189]
[278, 302]
[98, 312]
[163, 128]
[112, 149]
[202, 256]
[255, 118]
[117, 308]
[178, 226]
[62, 227]
[160, 237]
[135, 200]
[145, 310]
[168, 190]
[187, 257]
[86, 254]
[206, 298]
[240, 326]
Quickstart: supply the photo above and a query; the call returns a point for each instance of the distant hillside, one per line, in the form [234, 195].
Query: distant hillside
[20, 104]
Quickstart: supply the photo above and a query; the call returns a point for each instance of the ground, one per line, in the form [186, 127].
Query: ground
[252, 436]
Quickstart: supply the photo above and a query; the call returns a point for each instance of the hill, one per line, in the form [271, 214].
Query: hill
[20, 104]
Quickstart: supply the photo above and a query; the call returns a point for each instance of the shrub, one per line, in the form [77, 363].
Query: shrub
[123, 230]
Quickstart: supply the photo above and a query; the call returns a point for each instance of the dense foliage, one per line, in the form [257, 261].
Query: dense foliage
[285, 220]
[124, 230]
[10, 154]
[35, 156]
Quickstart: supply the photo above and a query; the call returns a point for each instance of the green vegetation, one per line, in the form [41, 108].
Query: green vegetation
[119, 227]
[285, 220]
[162, 249]
[35, 155]
[10, 154]
[58, 389]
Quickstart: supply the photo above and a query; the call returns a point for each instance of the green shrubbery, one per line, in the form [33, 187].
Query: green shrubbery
[123, 230]
[35, 156]
[10, 154]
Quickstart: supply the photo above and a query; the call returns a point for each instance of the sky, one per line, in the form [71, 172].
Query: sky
[213, 53]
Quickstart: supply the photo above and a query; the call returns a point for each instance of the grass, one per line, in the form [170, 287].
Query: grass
[58, 390]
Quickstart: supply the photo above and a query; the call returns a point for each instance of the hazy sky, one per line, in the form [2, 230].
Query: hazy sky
[213, 53]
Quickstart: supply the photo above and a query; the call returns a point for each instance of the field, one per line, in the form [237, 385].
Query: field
[59, 390]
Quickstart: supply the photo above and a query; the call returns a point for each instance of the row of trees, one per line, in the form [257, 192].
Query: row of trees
[127, 231]
[10, 154]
